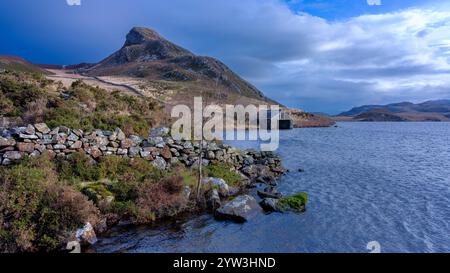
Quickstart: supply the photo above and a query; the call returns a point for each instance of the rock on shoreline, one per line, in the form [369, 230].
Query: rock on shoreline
[240, 209]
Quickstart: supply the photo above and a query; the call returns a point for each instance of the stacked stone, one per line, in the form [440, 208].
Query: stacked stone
[159, 148]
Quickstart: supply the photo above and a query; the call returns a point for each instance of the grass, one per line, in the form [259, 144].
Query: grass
[224, 171]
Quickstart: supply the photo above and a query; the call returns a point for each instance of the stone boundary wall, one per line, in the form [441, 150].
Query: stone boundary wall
[158, 147]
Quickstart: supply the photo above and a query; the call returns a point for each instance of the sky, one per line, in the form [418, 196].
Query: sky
[321, 56]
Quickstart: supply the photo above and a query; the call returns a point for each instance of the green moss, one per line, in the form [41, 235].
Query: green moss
[97, 191]
[224, 171]
[295, 202]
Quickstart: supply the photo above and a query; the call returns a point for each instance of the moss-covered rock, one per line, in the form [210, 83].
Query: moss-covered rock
[97, 191]
[225, 172]
[296, 202]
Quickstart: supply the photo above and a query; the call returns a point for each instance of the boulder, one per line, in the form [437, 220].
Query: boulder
[72, 137]
[219, 184]
[78, 132]
[269, 192]
[240, 209]
[134, 151]
[40, 147]
[7, 142]
[159, 132]
[101, 141]
[296, 202]
[13, 155]
[188, 145]
[137, 140]
[122, 151]
[126, 143]
[159, 163]
[42, 128]
[94, 152]
[119, 134]
[214, 200]
[25, 136]
[64, 130]
[35, 154]
[6, 133]
[25, 147]
[166, 153]
[6, 162]
[187, 192]
[76, 145]
[30, 130]
[86, 235]
[270, 204]
[54, 131]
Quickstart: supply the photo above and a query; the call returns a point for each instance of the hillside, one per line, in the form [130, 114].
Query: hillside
[10, 62]
[32, 98]
[436, 110]
[149, 56]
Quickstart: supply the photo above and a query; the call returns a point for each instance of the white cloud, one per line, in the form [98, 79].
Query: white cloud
[304, 60]
[382, 56]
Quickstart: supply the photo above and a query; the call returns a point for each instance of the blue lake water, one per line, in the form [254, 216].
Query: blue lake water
[384, 182]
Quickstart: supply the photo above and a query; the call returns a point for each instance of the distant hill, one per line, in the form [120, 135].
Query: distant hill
[10, 62]
[435, 110]
[148, 55]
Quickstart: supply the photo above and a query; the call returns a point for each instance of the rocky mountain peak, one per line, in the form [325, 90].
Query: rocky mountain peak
[147, 54]
[140, 35]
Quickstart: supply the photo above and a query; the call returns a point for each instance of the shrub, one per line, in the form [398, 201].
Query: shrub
[87, 107]
[18, 90]
[62, 209]
[78, 166]
[35, 110]
[158, 200]
[36, 210]
[7, 107]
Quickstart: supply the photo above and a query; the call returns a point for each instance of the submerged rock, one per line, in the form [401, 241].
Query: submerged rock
[269, 192]
[240, 210]
[270, 204]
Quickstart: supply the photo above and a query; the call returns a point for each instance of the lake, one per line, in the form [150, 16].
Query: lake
[383, 182]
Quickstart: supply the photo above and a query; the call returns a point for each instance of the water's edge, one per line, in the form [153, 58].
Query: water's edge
[384, 182]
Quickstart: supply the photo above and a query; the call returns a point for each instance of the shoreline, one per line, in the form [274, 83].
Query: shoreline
[229, 173]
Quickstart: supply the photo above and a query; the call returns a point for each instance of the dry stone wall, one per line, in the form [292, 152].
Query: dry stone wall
[159, 147]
